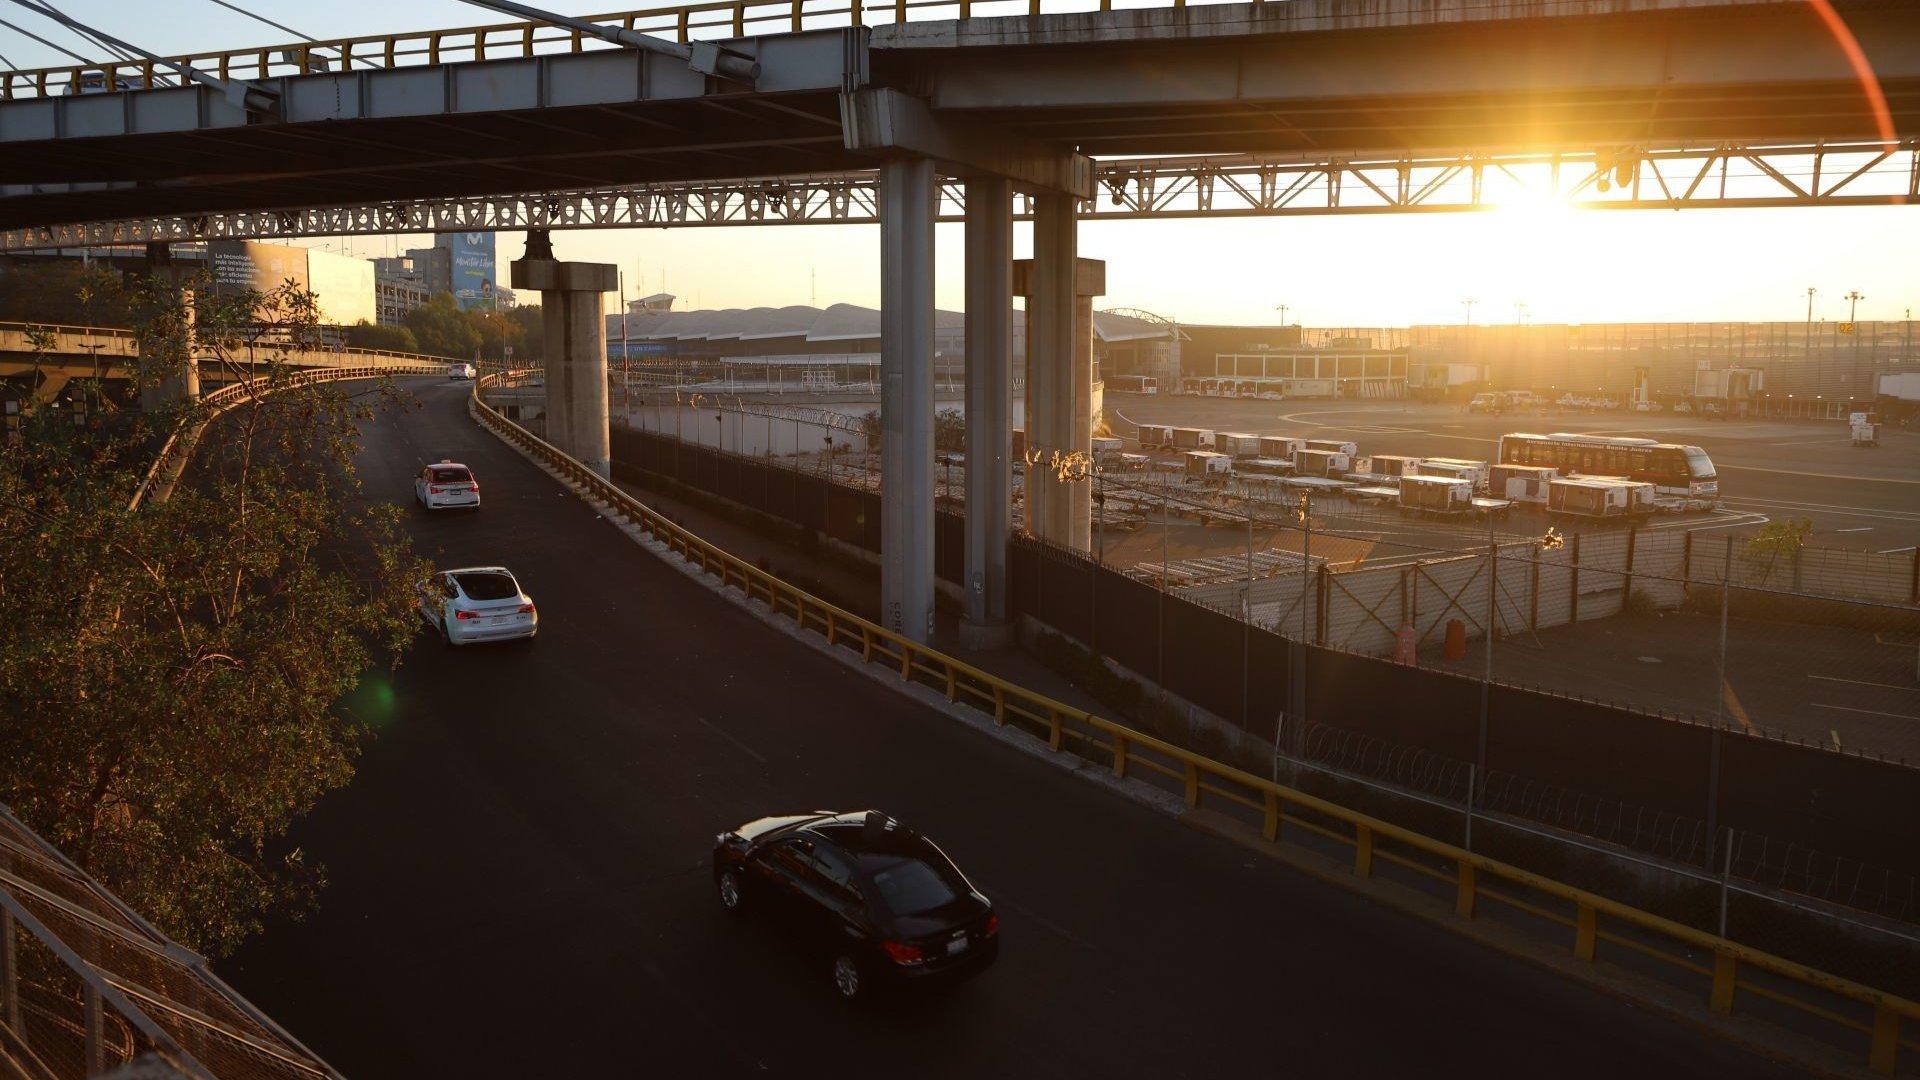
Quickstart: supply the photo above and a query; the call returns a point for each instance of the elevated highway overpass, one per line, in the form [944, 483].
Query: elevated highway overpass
[518, 881]
[499, 109]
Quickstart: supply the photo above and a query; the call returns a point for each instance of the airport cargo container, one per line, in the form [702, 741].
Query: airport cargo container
[1334, 446]
[1237, 444]
[1324, 463]
[1436, 494]
[1393, 465]
[1156, 437]
[1458, 468]
[1599, 497]
[1521, 483]
[1280, 446]
[1265, 466]
[1206, 463]
[1192, 438]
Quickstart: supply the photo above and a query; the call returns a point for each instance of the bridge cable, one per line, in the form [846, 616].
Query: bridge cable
[57, 48]
[280, 26]
[244, 94]
[54, 12]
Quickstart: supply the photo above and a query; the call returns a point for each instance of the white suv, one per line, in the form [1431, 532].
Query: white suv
[479, 603]
[462, 371]
[448, 485]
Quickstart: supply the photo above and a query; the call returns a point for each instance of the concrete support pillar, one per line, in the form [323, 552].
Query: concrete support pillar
[181, 378]
[575, 335]
[906, 397]
[1059, 288]
[989, 401]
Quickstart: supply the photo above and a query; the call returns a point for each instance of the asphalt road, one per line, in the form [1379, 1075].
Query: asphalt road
[519, 885]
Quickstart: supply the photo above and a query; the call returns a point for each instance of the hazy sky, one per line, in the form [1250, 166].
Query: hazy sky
[1329, 271]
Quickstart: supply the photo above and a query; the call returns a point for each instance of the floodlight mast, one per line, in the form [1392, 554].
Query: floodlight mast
[705, 57]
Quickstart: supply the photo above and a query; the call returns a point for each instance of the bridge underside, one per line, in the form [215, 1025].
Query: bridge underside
[1229, 78]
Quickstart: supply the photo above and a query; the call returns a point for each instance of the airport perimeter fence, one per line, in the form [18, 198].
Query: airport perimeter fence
[1252, 674]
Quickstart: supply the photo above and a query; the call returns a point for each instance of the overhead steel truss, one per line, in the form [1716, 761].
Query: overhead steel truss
[1624, 178]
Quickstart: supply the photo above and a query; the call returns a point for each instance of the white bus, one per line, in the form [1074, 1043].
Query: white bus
[1683, 471]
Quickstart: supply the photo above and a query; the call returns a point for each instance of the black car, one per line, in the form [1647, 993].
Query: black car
[875, 903]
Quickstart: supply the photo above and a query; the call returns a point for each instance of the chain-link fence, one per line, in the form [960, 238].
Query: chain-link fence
[87, 986]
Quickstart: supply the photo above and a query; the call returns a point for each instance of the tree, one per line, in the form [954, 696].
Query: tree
[365, 335]
[442, 329]
[65, 292]
[170, 676]
[1775, 541]
[529, 318]
[950, 431]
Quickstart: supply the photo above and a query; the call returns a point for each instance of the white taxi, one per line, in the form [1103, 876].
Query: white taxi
[447, 485]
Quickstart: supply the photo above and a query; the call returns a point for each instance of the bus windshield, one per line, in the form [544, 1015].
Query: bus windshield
[1699, 465]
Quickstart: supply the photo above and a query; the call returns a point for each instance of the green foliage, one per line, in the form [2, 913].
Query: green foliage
[67, 293]
[1776, 544]
[365, 335]
[442, 329]
[950, 431]
[870, 428]
[1779, 538]
[532, 344]
[170, 677]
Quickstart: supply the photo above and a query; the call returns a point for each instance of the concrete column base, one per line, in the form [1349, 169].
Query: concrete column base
[575, 333]
[985, 636]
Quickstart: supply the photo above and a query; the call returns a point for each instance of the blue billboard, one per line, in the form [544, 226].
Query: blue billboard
[473, 274]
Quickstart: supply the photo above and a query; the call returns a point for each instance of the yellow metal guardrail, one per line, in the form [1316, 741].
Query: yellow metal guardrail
[1471, 876]
[499, 41]
[171, 461]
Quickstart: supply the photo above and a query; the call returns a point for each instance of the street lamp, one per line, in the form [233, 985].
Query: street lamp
[1468, 303]
[1853, 300]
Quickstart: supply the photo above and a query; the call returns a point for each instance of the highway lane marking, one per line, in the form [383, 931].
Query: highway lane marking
[1835, 732]
[1862, 682]
[1819, 475]
[1894, 551]
[743, 747]
[1856, 528]
[1733, 705]
[1867, 712]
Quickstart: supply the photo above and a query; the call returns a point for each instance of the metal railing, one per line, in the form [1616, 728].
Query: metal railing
[171, 461]
[15, 336]
[1471, 877]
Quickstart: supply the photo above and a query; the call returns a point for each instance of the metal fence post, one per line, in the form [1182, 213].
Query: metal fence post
[1726, 878]
[1472, 779]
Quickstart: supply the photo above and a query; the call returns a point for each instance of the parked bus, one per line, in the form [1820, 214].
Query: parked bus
[1683, 471]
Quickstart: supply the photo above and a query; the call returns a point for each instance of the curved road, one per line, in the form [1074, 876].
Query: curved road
[518, 881]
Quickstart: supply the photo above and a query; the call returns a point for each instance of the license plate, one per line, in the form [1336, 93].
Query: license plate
[956, 946]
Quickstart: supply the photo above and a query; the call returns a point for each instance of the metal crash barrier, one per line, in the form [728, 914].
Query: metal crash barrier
[1472, 878]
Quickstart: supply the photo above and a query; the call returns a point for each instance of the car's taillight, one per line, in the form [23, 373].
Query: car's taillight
[435, 489]
[993, 925]
[463, 616]
[903, 954]
[526, 608]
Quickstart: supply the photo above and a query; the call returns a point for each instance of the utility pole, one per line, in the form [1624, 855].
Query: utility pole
[1282, 309]
[1468, 303]
[1853, 302]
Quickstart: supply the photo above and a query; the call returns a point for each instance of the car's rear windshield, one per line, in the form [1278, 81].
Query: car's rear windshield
[487, 586]
[911, 886]
[450, 476]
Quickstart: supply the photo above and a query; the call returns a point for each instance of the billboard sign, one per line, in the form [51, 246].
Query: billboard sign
[239, 265]
[473, 274]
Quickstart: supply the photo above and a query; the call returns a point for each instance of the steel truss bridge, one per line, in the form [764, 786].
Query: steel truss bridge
[1821, 174]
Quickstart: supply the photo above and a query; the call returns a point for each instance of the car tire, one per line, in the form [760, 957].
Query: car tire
[848, 980]
[731, 891]
[446, 635]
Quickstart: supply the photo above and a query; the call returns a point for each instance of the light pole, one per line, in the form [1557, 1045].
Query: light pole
[1808, 353]
[1468, 303]
[1853, 301]
[1282, 309]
